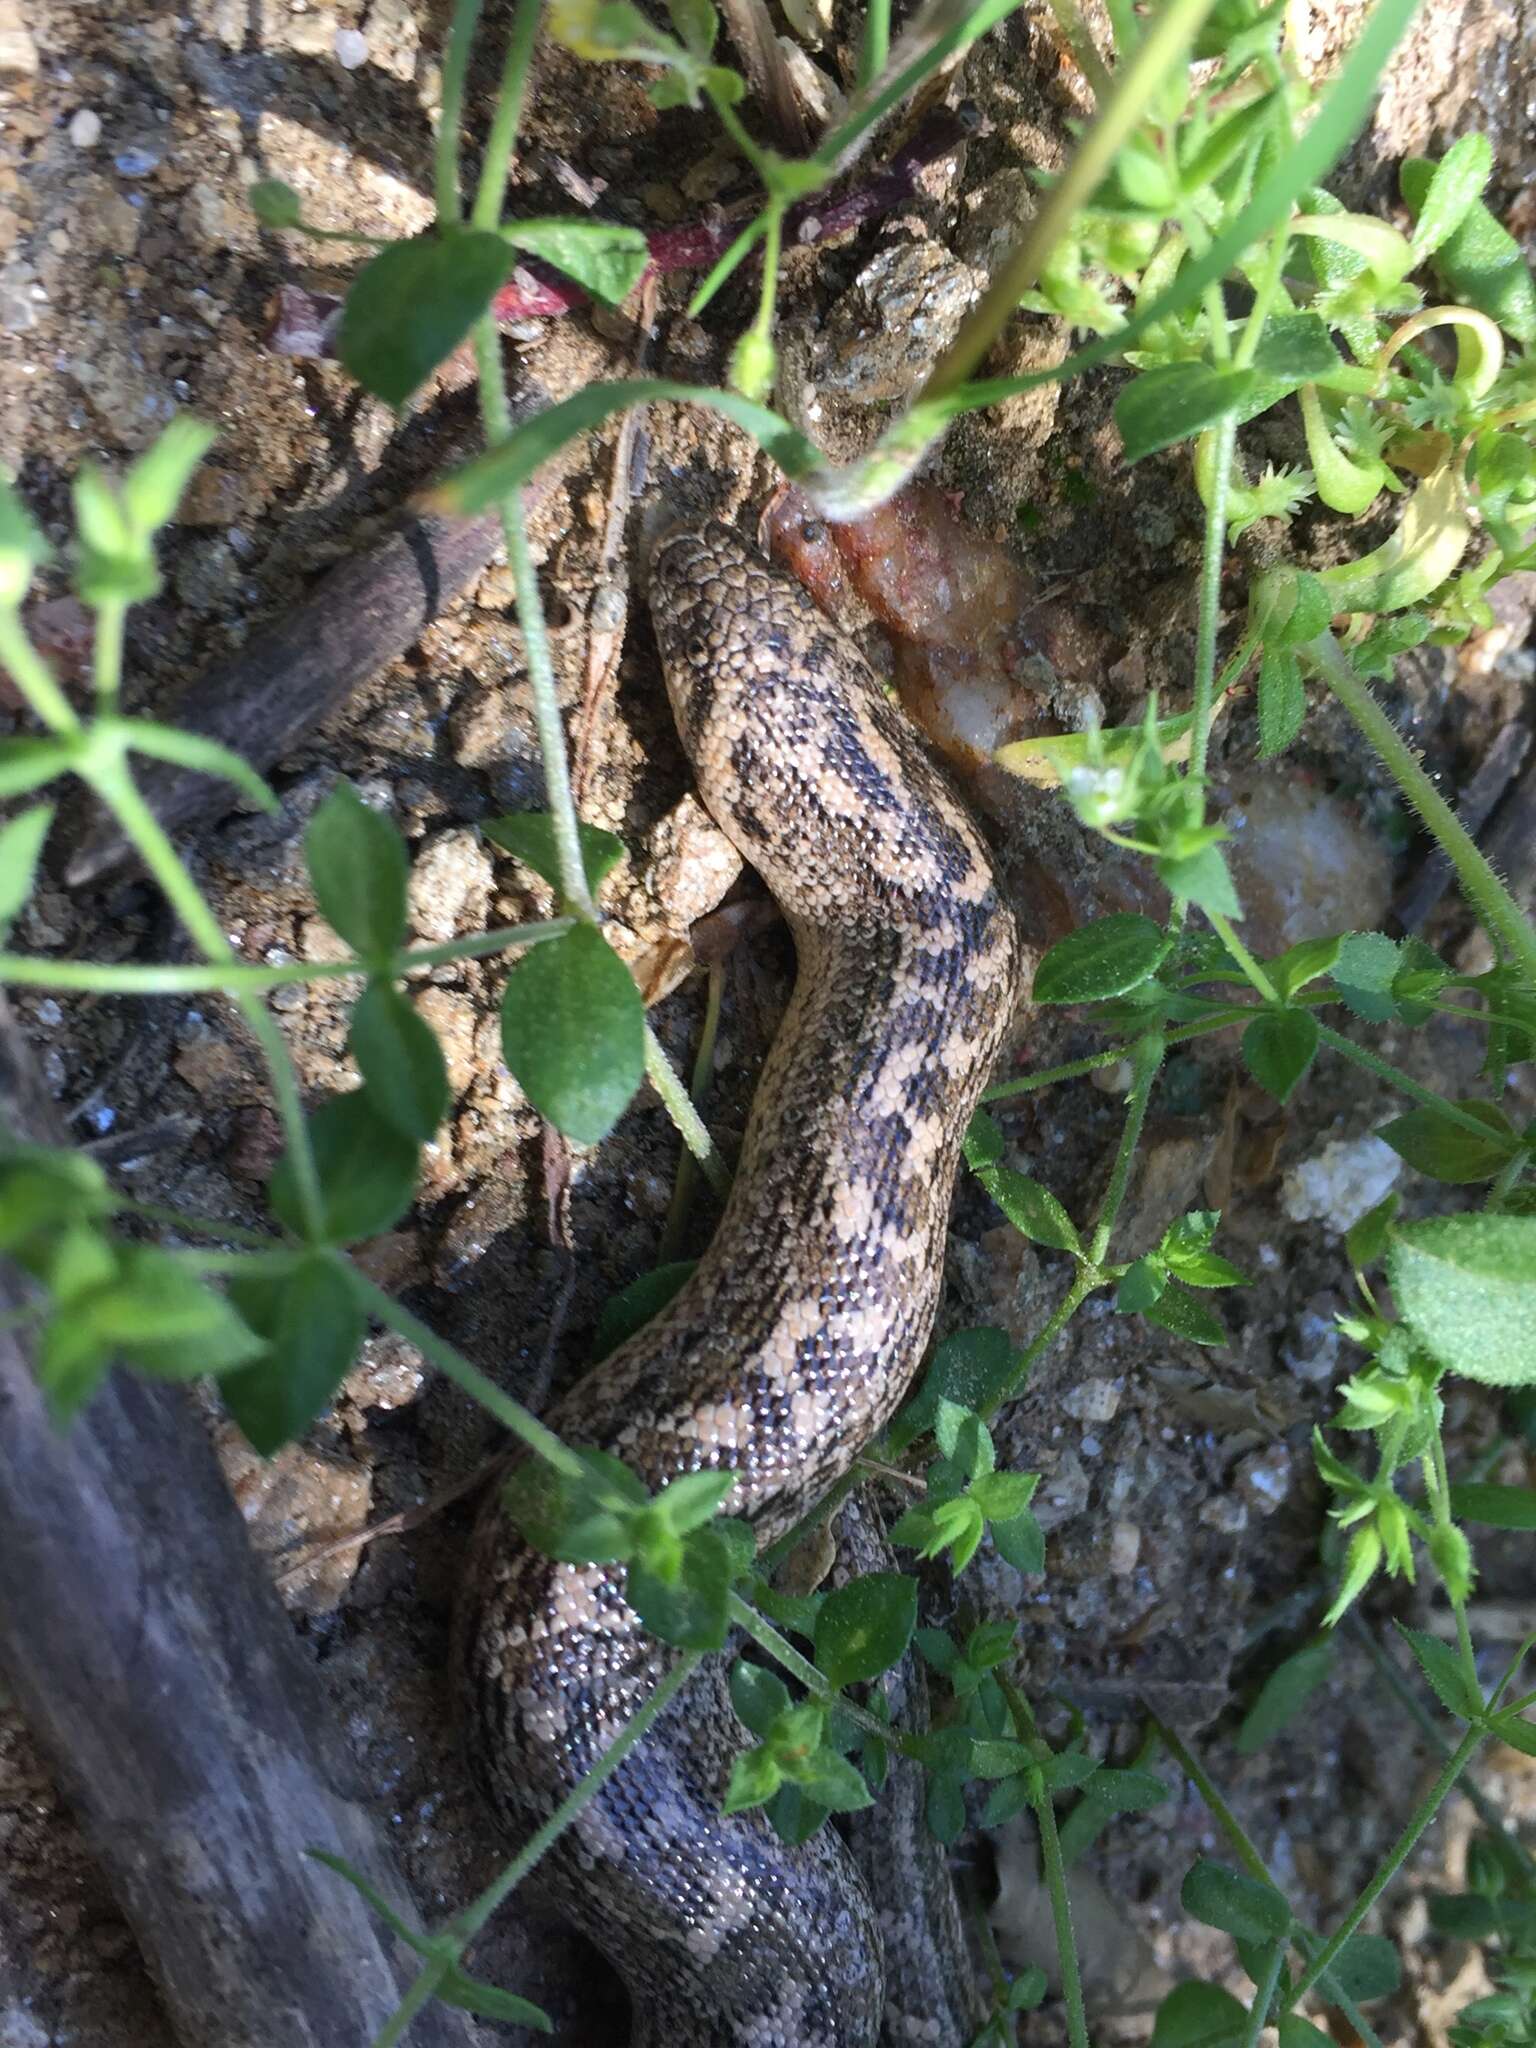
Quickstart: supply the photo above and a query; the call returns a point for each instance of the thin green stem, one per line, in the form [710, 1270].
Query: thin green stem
[762, 1631]
[422, 1990]
[466, 1925]
[111, 977]
[1509, 1175]
[1212, 557]
[497, 418]
[450, 113]
[107, 652]
[875, 50]
[687, 1170]
[1223, 928]
[1073, 1070]
[1385, 1071]
[1437, 1484]
[1264, 1996]
[33, 677]
[1498, 910]
[1424, 1721]
[502, 140]
[113, 783]
[731, 122]
[1391, 1864]
[512, 1415]
[1054, 1870]
[680, 1108]
[1145, 1062]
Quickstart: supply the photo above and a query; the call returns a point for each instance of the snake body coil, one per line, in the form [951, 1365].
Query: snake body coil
[790, 1345]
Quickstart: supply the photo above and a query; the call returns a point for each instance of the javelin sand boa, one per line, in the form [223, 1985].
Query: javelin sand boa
[786, 1351]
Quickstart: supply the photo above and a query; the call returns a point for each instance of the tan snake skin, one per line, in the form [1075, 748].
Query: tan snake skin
[789, 1347]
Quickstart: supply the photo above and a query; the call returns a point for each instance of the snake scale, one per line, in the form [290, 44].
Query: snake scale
[788, 1348]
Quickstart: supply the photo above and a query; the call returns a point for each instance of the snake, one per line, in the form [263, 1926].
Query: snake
[787, 1349]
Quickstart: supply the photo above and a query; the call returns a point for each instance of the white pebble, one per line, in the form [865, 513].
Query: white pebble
[351, 48]
[85, 128]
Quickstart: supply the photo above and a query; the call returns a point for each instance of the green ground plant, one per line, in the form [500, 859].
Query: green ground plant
[1202, 170]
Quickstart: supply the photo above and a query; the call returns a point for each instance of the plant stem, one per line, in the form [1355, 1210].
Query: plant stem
[450, 113]
[107, 653]
[1394, 1860]
[1500, 914]
[875, 51]
[502, 140]
[1212, 556]
[1055, 1873]
[1509, 1174]
[679, 1107]
[113, 783]
[111, 977]
[1264, 1996]
[1437, 1484]
[512, 1415]
[33, 677]
[1240, 953]
[1385, 1071]
[783, 1652]
[687, 1172]
[466, 1925]
[1145, 1060]
[1073, 1070]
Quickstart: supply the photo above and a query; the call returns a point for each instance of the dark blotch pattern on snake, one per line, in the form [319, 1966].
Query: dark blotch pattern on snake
[789, 1347]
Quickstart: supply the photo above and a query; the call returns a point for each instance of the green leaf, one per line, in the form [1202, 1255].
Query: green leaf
[573, 1033]
[1366, 968]
[633, 1307]
[1175, 402]
[1003, 1496]
[21, 846]
[576, 1520]
[358, 870]
[1479, 261]
[971, 1369]
[367, 1171]
[1296, 348]
[1494, 1507]
[1201, 878]
[1177, 1311]
[693, 1610]
[1239, 1905]
[1125, 1791]
[833, 1782]
[755, 1777]
[1065, 1771]
[1282, 700]
[165, 1317]
[1032, 1209]
[1021, 1543]
[22, 546]
[1278, 1048]
[1434, 1146]
[1366, 1967]
[1366, 1241]
[275, 204]
[469, 1994]
[312, 1324]
[1442, 1666]
[26, 763]
[983, 1142]
[864, 1628]
[1108, 957]
[758, 1697]
[692, 1499]
[1142, 1282]
[1196, 2015]
[412, 304]
[153, 486]
[1296, 2032]
[529, 836]
[1466, 1286]
[400, 1061]
[1283, 1694]
[1513, 1727]
[608, 260]
[204, 757]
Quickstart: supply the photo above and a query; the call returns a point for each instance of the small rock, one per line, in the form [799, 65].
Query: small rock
[389, 1373]
[1340, 1183]
[1062, 1493]
[1223, 1513]
[85, 128]
[1264, 1479]
[136, 163]
[255, 1141]
[351, 49]
[1124, 1549]
[452, 1019]
[206, 573]
[450, 885]
[1313, 1352]
[394, 37]
[215, 497]
[18, 50]
[885, 334]
[296, 1500]
[204, 217]
[1093, 1401]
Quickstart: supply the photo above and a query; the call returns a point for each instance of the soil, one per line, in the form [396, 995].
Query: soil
[1182, 1510]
